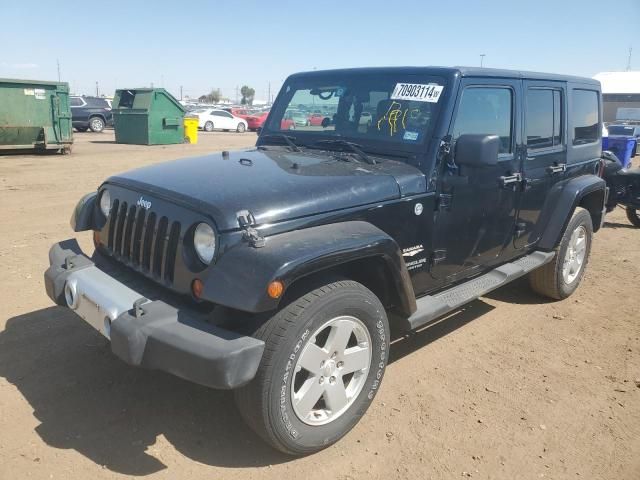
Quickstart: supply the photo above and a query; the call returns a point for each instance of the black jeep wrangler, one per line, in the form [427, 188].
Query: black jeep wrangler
[280, 271]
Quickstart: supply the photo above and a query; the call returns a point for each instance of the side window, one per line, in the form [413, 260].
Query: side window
[486, 110]
[543, 118]
[226, 114]
[584, 111]
[75, 102]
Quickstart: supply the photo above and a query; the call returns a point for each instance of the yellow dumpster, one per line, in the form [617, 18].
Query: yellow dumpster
[191, 129]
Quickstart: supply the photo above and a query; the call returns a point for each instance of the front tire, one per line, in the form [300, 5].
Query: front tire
[560, 278]
[632, 215]
[96, 124]
[324, 358]
[240, 128]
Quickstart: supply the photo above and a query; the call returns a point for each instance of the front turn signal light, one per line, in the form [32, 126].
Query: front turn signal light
[275, 289]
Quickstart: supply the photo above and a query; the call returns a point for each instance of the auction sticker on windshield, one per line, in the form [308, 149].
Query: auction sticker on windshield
[417, 92]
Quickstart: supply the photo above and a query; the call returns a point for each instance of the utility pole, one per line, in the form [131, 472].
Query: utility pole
[236, 94]
[58, 63]
[482, 55]
[97, 90]
[269, 94]
[629, 60]
[180, 92]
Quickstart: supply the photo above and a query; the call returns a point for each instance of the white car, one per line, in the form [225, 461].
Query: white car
[214, 119]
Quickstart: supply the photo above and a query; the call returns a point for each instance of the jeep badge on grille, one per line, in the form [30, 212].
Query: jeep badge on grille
[146, 204]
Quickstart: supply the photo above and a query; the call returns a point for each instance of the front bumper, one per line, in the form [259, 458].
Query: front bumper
[150, 333]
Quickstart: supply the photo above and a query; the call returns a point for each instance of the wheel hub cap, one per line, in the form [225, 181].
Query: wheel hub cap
[575, 255]
[331, 370]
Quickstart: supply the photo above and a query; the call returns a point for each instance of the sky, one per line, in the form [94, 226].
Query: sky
[201, 45]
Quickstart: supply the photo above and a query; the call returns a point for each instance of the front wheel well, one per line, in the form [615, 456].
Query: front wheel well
[372, 272]
[593, 203]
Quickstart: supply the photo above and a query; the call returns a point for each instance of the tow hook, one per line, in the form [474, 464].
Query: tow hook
[246, 221]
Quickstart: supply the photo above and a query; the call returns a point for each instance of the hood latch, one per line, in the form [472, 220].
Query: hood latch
[246, 221]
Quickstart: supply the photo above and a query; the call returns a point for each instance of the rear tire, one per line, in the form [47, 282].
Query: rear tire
[96, 124]
[240, 128]
[334, 388]
[560, 278]
[634, 218]
[208, 127]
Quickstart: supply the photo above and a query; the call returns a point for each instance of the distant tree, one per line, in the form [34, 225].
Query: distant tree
[248, 94]
[212, 97]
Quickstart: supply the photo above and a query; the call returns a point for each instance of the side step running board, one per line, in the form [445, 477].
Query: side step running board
[430, 307]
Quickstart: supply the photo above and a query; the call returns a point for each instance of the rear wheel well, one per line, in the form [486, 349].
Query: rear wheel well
[593, 203]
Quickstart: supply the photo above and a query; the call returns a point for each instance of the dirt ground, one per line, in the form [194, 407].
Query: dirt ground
[511, 387]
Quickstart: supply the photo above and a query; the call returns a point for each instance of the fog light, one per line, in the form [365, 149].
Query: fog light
[275, 289]
[196, 288]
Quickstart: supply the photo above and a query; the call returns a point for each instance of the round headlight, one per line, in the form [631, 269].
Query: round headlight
[105, 203]
[204, 242]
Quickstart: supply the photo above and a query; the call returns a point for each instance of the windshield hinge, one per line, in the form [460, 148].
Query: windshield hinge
[246, 221]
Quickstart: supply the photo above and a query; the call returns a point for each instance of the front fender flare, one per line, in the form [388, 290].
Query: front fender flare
[563, 206]
[240, 278]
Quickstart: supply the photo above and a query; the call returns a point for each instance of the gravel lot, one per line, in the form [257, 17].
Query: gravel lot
[511, 387]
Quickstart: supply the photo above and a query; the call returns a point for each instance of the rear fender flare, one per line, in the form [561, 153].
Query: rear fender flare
[240, 277]
[586, 190]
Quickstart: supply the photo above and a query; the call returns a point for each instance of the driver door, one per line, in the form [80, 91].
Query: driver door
[476, 219]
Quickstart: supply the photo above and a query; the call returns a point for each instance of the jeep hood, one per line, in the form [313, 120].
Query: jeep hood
[274, 185]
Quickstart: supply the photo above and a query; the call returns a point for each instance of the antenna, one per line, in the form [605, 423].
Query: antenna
[629, 59]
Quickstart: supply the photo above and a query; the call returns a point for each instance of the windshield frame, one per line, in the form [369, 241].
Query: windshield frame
[308, 139]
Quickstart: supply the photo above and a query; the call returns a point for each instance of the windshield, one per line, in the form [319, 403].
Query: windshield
[390, 109]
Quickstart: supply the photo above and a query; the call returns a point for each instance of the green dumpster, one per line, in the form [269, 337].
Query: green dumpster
[35, 115]
[147, 116]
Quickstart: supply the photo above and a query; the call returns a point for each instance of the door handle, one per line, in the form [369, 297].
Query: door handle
[558, 168]
[509, 180]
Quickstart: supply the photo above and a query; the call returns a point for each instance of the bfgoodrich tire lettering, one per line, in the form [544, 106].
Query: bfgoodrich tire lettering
[553, 280]
[266, 403]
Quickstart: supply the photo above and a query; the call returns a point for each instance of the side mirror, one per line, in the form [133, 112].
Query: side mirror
[477, 150]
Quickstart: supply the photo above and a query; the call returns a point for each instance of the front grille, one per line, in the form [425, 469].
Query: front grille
[143, 240]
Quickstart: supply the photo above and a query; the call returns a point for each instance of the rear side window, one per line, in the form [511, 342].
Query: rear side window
[584, 111]
[76, 102]
[543, 118]
[486, 110]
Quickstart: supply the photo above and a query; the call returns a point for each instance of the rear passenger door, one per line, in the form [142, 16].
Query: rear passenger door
[544, 161]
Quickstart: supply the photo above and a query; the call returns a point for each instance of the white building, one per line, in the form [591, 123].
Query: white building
[620, 95]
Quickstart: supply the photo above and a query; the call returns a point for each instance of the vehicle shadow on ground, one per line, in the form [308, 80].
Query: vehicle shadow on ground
[619, 225]
[405, 344]
[111, 142]
[88, 400]
[518, 292]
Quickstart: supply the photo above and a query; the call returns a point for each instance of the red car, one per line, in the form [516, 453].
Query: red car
[256, 120]
[315, 119]
[238, 112]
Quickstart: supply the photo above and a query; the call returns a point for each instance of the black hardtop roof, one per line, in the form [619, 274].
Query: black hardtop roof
[454, 71]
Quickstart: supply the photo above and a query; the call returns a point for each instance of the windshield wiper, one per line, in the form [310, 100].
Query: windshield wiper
[287, 138]
[353, 146]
